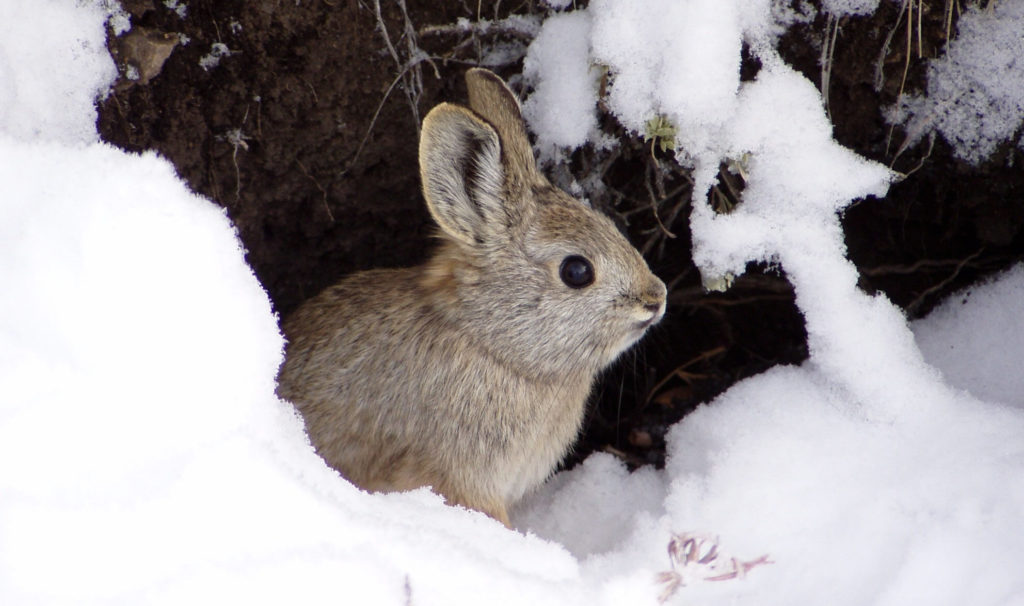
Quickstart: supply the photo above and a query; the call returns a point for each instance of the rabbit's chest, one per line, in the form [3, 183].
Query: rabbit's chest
[539, 440]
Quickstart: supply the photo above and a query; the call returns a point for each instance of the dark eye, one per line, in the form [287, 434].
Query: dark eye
[576, 272]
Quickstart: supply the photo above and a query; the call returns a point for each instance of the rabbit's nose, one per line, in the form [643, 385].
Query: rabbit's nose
[653, 307]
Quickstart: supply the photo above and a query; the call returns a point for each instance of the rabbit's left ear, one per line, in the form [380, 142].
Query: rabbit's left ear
[462, 174]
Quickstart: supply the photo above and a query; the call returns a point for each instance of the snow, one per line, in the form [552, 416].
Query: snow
[967, 327]
[975, 93]
[560, 59]
[558, 4]
[53, 70]
[144, 457]
[841, 8]
[179, 8]
[218, 50]
[676, 59]
[914, 510]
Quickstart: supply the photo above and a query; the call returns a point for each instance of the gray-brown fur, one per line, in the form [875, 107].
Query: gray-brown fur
[470, 373]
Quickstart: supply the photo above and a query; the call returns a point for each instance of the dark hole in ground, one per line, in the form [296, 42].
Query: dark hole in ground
[279, 133]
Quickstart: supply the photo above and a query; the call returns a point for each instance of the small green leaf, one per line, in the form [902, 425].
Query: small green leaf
[661, 130]
[719, 283]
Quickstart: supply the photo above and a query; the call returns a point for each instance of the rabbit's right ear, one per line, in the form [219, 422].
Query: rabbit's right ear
[490, 97]
[462, 173]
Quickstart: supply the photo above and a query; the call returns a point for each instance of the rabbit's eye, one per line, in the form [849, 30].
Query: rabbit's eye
[576, 272]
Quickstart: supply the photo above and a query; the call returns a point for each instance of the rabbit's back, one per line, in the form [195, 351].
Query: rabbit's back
[395, 396]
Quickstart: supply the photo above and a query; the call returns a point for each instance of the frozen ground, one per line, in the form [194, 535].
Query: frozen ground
[145, 459]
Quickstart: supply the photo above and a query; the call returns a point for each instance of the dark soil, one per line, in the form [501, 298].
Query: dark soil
[282, 133]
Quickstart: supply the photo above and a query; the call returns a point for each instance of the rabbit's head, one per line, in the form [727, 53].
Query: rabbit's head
[548, 284]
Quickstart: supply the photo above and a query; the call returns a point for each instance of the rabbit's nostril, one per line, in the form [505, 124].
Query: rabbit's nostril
[653, 307]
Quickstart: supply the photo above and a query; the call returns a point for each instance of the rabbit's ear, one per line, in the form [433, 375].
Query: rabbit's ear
[462, 173]
[490, 97]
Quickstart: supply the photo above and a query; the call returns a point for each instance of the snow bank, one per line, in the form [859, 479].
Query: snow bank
[145, 459]
[976, 337]
[912, 510]
[143, 455]
[53, 64]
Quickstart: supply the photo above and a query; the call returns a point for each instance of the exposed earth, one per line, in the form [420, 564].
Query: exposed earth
[301, 118]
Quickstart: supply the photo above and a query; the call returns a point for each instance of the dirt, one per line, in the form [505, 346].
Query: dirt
[274, 133]
[304, 132]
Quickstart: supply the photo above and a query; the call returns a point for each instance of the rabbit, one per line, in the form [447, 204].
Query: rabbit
[470, 374]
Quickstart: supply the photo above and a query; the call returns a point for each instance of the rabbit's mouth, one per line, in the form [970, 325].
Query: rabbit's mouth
[657, 311]
[642, 326]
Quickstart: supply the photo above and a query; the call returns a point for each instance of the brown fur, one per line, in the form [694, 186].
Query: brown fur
[470, 374]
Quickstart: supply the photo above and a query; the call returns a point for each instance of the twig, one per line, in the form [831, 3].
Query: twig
[376, 114]
[680, 371]
[311, 89]
[237, 139]
[414, 50]
[914, 305]
[908, 5]
[726, 178]
[415, 79]
[880, 64]
[384, 32]
[655, 201]
[950, 5]
[920, 163]
[916, 128]
[920, 12]
[323, 192]
[828, 53]
[514, 27]
[885, 270]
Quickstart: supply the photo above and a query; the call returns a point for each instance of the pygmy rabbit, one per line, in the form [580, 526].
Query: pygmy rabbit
[470, 374]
